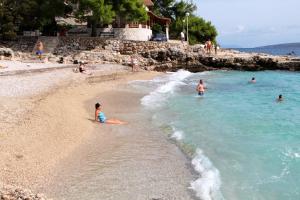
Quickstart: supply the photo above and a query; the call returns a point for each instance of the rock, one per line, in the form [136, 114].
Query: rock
[7, 52]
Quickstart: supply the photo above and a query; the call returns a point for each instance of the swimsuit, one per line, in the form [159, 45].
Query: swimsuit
[101, 117]
[39, 52]
[201, 90]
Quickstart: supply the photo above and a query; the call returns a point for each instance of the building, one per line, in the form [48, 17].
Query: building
[126, 30]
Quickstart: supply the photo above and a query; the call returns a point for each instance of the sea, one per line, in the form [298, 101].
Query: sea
[292, 49]
[243, 144]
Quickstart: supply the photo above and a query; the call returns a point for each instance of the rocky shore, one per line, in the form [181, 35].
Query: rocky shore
[14, 193]
[156, 56]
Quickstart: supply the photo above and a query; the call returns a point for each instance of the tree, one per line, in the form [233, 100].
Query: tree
[45, 12]
[199, 29]
[163, 8]
[19, 15]
[98, 12]
[130, 11]
[133, 10]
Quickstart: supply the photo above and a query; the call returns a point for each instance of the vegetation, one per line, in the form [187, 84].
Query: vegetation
[96, 12]
[199, 29]
[19, 15]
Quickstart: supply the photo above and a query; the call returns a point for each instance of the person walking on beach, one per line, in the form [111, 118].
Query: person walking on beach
[100, 116]
[200, 88]
[40, 50]
[134, 63]
[182, 37]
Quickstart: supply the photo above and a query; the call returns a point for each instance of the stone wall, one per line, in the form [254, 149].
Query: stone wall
[22, 43]
[137, 34]
[71, 45]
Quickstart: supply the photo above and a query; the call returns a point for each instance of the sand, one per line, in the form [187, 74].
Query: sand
[55, 147]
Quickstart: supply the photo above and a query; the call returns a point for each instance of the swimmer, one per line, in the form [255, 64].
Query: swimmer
[200, 88]
[280, 98]
[252, 80]
[100, 117]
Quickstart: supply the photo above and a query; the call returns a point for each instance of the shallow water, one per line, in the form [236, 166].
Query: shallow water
[133, 161]
[246, 145]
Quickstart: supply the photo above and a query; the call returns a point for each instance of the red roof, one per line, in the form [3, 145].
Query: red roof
[148, 3]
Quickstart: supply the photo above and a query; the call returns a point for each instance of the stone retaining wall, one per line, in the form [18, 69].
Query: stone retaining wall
[22, 43]
[69, 45]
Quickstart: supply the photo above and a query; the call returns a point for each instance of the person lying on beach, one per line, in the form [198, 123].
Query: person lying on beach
[200, 88]
[100, 117]
[280, 98]
[252, 80]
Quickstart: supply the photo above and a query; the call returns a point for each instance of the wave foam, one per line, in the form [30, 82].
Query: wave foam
[207, 187]
[177, 135]
[169, 85]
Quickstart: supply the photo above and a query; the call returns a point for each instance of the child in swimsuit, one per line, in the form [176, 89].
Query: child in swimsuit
[100, 116]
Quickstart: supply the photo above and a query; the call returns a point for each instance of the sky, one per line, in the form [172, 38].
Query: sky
[252, 23]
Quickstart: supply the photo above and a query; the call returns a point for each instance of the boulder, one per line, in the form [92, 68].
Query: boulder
[7, 52]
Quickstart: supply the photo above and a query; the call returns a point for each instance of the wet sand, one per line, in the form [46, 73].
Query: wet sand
[58, 150]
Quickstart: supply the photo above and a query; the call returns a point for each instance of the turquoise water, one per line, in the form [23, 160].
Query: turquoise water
[247, 145]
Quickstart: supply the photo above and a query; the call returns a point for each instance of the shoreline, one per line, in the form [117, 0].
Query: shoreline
[33, 165]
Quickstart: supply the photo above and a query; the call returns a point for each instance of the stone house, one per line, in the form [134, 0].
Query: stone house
[121, 29]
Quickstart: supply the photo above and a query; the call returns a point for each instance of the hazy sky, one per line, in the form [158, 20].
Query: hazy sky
[250, 23]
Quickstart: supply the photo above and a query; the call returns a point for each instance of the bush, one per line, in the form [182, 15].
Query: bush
[156, 28]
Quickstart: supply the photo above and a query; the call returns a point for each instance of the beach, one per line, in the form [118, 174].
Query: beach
[50, 143]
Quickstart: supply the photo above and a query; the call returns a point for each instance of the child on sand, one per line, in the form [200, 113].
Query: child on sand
[100, 117]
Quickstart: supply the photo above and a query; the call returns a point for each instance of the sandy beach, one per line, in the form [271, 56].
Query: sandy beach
[50, 143]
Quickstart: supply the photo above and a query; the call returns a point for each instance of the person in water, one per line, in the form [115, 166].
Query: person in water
[100, 116]
[280, 98]
[252, 80]
[200, 88]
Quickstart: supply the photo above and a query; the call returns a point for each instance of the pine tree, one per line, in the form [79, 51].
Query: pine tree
[97, 12]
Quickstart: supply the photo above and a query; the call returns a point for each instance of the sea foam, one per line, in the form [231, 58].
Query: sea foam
[207, 186]
[167, 87]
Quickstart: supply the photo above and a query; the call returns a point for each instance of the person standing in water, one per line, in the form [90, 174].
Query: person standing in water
[100, 117]
[200, 88]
